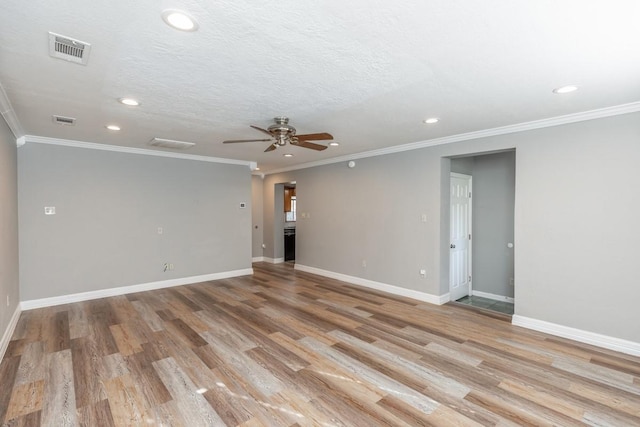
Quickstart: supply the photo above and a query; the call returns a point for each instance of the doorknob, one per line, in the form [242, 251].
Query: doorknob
[453, 246]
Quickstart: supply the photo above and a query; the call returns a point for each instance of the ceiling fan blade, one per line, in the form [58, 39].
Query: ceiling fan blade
[271, 147]
[233, 141]
[260, 129]
[314, 136]
[310, 145]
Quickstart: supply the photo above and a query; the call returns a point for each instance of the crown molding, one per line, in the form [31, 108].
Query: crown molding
[145, 152]
[632, 107]
[9, 115]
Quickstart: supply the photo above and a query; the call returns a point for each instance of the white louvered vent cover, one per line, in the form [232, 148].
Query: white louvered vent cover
[65, 121]
[68, 49]
[170, 143]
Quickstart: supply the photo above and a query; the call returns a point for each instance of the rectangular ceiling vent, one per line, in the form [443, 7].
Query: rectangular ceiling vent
[170, 143]
[69, 49]
[65, 121]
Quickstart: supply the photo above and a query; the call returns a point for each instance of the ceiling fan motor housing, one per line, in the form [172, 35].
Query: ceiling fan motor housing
[281, 130]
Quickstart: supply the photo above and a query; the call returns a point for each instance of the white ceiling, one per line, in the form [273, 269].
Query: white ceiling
[367, 71]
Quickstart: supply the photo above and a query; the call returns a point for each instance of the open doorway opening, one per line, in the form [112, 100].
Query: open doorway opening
[290, 205]
[481, 257]
[283, 236]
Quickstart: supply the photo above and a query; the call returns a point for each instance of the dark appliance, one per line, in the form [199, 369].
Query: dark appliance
[289, 244]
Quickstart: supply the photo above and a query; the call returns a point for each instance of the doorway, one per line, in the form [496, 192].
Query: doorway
[290, 208]
[481, 267]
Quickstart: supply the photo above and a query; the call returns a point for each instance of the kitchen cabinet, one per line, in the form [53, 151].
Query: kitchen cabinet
[288, 194]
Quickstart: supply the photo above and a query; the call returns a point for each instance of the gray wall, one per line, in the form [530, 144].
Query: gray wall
[576, 228]
[493, 211]
[257, 237]
[8, 226]
[108, 209]
[463, 165]
[369, 213]
[574, 265]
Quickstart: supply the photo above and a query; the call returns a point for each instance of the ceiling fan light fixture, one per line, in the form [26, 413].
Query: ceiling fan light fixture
[282, 133]
[113, 127]
[288, 155]
[565, 89]
[179, 20]
[334, 144]
[431, 120]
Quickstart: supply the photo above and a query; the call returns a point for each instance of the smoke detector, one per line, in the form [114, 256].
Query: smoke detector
[69, 49]
[170, 143]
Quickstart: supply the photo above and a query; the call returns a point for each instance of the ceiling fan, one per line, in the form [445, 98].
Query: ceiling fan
[282, 132]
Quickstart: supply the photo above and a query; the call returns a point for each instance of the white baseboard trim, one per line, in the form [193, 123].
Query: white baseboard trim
[102, 293]
[273, 260]
[257, 259]
[8, 333]
[392, 289]
[492, 296]
[599, 340]
[444, 298]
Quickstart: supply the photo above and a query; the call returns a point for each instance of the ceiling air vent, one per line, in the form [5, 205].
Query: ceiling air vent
[170, 143]
[65, 121]
[68, 49]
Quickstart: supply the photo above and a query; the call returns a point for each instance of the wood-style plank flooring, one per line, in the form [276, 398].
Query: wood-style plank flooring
[286, 348]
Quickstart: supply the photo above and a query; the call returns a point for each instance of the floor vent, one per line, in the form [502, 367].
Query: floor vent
[65, 121]
[170, 143]
[69, 49]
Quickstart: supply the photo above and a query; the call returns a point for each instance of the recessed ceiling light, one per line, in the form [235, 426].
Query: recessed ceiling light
[334, 144]
[288, 155]
[179, 20]
[565, 89]
[113, 127]
[257, 169]
[432, 120]
[129, 101]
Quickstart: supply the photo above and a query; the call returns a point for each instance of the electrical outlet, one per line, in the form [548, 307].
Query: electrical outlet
[423, 218]
[170, 266]
[364, 262]
[510, 281]
[423, 272]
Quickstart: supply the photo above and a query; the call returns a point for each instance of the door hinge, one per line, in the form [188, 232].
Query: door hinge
[469, 194]
[469, 236]
[469, 278]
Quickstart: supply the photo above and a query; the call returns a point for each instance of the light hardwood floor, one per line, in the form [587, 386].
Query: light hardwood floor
[285, 348]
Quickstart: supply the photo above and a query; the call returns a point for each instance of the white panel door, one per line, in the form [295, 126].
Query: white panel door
[460, 237]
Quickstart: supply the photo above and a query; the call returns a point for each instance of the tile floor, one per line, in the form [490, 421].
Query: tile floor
[489, 304]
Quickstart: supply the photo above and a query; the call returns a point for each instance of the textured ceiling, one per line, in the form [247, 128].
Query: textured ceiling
[367, 72]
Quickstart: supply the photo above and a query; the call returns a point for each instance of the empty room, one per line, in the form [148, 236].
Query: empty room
[319, 213]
